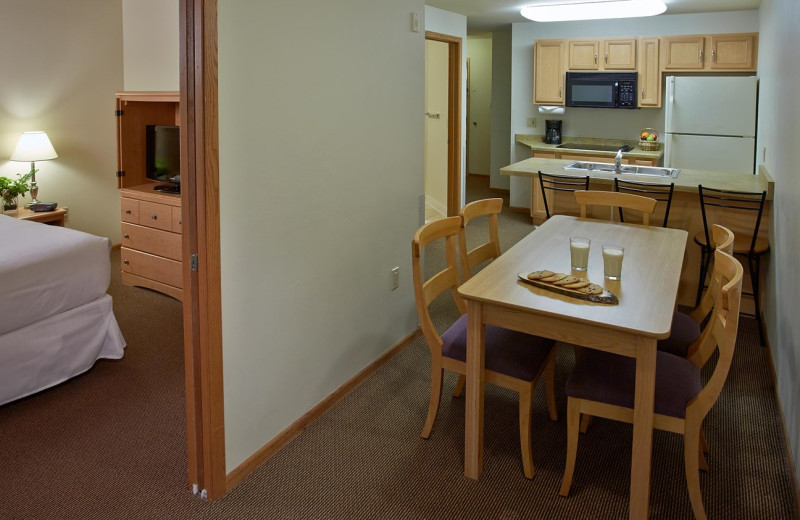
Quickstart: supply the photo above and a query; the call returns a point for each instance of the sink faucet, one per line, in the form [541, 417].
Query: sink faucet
[618, 162]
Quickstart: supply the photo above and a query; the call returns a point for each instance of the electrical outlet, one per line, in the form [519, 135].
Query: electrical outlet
[66, 214]
[532, 122]
[395, 278]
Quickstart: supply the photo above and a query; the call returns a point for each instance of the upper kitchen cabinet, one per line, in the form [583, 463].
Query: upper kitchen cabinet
[610, 54]
[548, 72]
[717, 52]
[649, 73]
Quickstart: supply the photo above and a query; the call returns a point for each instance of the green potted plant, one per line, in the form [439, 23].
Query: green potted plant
[10, 189]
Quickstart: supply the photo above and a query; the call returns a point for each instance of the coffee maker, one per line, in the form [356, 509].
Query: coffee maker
[552, 133]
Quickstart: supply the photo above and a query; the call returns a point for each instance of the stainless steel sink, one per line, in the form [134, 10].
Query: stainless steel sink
[653, 171]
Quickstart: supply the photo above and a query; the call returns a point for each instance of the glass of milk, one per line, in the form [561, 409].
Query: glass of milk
[612, 261]
[579, 252]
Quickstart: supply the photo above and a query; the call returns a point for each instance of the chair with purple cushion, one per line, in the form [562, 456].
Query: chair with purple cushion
[685, 332]
[513, 360]
[602, 384]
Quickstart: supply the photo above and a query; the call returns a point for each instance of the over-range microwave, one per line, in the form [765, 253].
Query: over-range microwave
[601, 89]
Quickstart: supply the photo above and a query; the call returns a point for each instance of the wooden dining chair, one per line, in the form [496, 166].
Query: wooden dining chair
[513, 360]
[747, 206]
[685, 332]
[602, 384]
[660, 192]
[564, 183]
[616, 200]
[472, 258]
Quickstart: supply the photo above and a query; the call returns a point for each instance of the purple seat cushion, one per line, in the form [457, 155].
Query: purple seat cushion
[683, 333]
[610, 378]
[509, 352]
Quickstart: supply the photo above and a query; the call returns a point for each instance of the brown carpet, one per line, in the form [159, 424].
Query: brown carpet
[111, 443]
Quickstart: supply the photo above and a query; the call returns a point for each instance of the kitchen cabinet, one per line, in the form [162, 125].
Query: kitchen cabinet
[609, 54]
[548, 72]
[712, 52]
[649, 73]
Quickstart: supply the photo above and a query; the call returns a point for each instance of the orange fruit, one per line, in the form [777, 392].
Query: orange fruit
[645, 135]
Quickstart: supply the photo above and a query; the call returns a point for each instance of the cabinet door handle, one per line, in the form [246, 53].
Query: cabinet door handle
[713, 56]
[126, 262]
[595, 59]
[154, 217]
[126, 235]
[642, 91]
[606, 57]
[127, 212]
[700, 56]
[559, 91]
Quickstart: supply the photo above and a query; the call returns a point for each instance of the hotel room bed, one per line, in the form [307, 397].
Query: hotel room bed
[56, 319]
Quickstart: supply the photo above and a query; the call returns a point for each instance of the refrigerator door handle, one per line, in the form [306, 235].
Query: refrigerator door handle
[670, 103]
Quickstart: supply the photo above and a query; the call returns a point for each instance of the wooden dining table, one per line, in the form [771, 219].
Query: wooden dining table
[647, 292]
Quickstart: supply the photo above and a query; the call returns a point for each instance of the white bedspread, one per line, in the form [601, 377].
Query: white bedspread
[46, 270]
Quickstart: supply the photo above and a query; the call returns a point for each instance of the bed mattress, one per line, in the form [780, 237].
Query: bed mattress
[46, 270]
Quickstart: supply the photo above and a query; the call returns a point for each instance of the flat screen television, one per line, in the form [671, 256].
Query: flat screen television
[163, 156]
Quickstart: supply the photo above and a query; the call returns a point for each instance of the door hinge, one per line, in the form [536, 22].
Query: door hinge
[120, 173]
[119, 112]
[193, 261]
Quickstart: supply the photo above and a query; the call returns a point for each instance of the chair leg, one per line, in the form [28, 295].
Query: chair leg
[691, 448]
[525, 405]
[703, 443]
[433, 403]
[573, 419]
[550, 385]
[755, 276]
[462, 379]
[705, 261]
[586, 421]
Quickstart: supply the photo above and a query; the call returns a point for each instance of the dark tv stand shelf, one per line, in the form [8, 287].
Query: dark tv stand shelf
[168, 188]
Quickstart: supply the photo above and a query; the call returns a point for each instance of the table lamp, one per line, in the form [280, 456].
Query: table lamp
[34, 146]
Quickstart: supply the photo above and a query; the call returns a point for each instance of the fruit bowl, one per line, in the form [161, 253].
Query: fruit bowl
[648, 139]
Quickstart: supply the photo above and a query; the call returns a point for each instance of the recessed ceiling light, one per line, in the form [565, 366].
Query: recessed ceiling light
[602, 9]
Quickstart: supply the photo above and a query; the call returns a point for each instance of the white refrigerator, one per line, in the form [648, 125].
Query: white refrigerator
[710, 123]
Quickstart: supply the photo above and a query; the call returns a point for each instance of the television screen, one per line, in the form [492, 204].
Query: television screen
[163, 154]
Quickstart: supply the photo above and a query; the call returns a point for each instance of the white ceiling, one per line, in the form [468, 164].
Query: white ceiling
[488, 15]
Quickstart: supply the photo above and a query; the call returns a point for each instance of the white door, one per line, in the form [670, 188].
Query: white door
[711, 105]
[436, 114]
[704, 152]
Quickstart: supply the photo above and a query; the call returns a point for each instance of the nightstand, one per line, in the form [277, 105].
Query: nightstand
[54, 218]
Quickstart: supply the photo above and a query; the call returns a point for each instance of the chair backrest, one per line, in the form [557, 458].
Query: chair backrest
[723, 238]
[740, 201]
[721, 333]
[660, 192]
[490, 250]
[616, 200]
[425, 291]
[556, 182]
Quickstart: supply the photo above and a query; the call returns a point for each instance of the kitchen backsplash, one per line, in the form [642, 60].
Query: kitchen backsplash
[603, 122]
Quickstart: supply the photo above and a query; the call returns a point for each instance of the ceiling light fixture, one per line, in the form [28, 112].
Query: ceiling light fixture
[599, 10]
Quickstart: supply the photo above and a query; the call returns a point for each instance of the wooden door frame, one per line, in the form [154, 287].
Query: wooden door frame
[454, 149]
[205, 419]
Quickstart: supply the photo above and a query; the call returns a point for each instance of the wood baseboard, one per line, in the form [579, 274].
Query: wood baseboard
[519, 209]
[282, 439]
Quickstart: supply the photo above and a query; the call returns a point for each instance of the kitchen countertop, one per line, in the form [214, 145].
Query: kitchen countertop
[686, 181]
[535, 143]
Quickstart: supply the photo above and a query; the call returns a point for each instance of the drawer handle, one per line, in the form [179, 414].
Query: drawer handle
[126, 235]
[127, 212]
[154, 217]
[126, 262]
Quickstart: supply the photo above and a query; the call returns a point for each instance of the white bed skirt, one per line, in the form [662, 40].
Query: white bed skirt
[48, 352]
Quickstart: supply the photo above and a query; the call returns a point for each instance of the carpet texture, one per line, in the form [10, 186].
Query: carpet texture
[111, 443]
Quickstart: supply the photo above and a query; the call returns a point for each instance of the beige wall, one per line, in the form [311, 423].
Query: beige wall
[479, 119]
[778, 114]
[150, 44]
[62, 63]
[321, 173]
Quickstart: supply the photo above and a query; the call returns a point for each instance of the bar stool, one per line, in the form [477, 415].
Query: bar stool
[748, 245]
[660, 192]
[555, 182]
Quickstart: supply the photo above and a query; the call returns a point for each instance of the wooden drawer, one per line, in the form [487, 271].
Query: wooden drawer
[154, 241]
[130, 210]
[177, 222]
[154, 215]
[151, 266]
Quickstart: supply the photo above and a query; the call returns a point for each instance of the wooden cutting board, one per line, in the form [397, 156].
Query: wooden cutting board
[606, 297]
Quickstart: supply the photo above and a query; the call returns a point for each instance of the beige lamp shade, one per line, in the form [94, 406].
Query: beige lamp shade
[34, 146]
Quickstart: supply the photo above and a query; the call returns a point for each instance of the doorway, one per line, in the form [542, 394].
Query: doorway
[443, 122]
